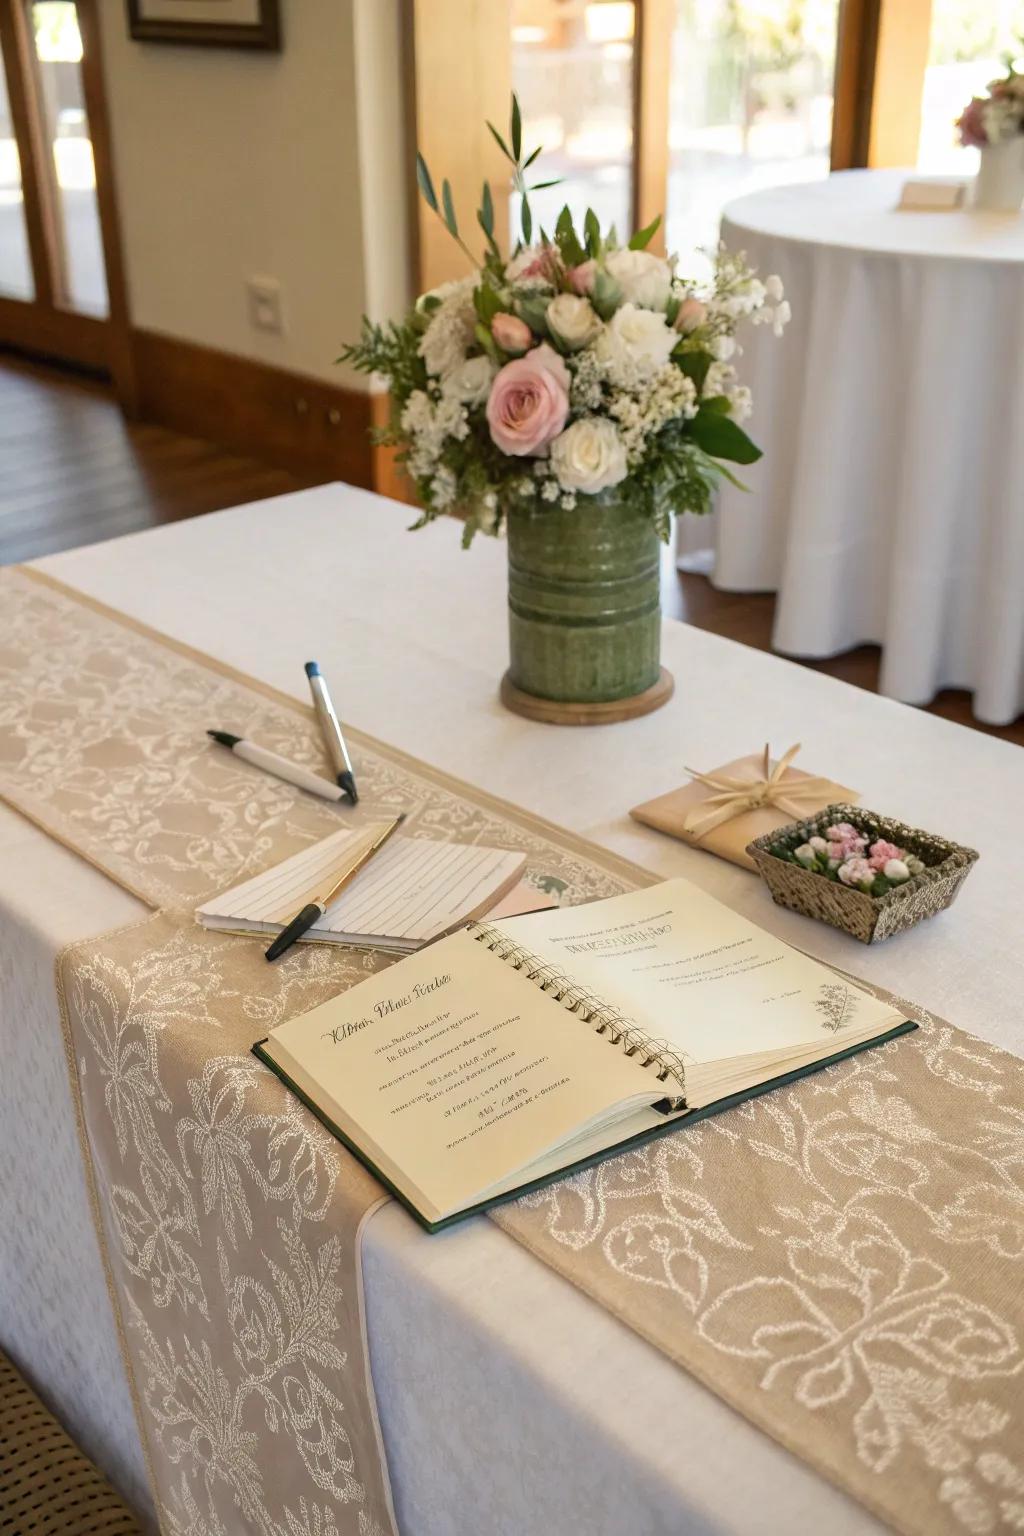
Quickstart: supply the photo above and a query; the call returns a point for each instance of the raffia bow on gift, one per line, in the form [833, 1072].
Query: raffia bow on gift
[733, 796]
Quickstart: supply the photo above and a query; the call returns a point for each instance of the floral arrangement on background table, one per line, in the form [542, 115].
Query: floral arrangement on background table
[994, 123]
[576, 393]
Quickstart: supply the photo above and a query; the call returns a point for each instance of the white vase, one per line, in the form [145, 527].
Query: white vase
[999, 186]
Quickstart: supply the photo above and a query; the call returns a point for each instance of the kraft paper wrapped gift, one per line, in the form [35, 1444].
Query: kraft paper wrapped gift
[722, 811]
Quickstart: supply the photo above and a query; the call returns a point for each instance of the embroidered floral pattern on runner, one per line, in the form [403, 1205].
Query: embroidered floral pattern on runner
[842, 1260]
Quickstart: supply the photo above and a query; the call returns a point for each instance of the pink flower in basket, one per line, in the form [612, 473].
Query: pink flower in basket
[881, 852]
[856, 872]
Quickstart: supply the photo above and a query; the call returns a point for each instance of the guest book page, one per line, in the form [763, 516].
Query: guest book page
[690, 971]
[459, 1073]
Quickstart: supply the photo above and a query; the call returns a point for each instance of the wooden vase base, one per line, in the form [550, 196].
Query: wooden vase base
[553, 712]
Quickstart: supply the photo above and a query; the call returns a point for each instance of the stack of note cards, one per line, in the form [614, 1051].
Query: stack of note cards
[409, 893]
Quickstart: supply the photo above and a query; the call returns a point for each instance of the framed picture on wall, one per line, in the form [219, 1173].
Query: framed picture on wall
[215, 23]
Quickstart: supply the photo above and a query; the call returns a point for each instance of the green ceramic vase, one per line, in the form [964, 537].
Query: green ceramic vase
[583, 600]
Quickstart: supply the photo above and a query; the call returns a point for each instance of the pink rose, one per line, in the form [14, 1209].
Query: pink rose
[529, 402]
[856, 872]
[839, 830]
[690, 314]
[581, 278]
[881, 852]
[511, 334]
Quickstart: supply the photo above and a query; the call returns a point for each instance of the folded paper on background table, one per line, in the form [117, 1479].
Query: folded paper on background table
[722, 811]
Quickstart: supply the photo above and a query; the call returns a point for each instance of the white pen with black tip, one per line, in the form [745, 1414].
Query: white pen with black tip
[331, 729]
[280, 767]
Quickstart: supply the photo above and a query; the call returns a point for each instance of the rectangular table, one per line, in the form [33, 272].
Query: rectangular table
[483, 1359]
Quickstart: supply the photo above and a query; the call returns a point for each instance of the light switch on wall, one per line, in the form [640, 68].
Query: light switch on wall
[265, 311]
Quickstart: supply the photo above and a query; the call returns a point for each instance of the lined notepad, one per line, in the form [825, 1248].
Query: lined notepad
[412, 891]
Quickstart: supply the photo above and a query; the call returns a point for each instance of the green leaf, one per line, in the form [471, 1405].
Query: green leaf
[539, 186]
[426, 186]
[643, 237]
[486, 302]
[449, 209]
[592, 230]
[722, 438]
[517, 128]
[486, 340]
[526, 219]
[534, 312]
[606, 295]
[487, 210]
[568, 243]
[718, 404]
[501, 143]
[694, 364]
[531, 157]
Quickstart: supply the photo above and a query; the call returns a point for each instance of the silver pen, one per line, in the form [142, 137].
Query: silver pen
[331, 729]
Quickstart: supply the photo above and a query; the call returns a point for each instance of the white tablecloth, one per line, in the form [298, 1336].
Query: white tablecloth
[889, 506]
[510, 1403]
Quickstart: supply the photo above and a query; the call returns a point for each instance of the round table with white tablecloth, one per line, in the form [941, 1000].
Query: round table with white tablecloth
[889, 506]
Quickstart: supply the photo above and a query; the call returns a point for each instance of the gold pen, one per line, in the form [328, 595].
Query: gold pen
[314, 910]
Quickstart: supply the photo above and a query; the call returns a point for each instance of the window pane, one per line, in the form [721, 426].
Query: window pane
[751, 105]
[572, 69]
[59, 51]
[15, 264]
[969, 44]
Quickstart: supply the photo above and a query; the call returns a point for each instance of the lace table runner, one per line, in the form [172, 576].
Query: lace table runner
[841, 1261]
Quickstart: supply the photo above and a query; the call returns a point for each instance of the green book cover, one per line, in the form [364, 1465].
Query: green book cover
[673, 1122]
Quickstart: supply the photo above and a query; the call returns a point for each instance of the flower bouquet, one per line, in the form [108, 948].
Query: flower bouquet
[995, 124]
[574, 392]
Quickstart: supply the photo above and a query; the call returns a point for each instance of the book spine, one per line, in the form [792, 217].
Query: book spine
[605, 1019]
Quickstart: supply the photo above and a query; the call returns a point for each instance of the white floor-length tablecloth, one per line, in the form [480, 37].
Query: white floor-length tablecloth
[510, 1403]
[889, 506]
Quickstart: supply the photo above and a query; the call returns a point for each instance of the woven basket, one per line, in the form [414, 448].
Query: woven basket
[47, 1487]
[868, 918]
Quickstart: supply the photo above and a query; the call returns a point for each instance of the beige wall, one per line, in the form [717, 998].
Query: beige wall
[232, 164]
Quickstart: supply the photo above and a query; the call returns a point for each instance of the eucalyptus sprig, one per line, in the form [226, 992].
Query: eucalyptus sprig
[520, 166]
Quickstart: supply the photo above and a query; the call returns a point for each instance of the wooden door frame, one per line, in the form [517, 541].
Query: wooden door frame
[41, 324]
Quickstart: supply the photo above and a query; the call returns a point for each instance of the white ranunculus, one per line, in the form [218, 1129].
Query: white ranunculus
[518, 264]
[572, 320]
[470, 381]
[589, 456]
[636, 341]
[645, 280]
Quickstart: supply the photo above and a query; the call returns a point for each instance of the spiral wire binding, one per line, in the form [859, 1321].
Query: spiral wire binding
[607, 1020]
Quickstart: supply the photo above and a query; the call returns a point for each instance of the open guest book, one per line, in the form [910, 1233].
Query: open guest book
[409, 893]
[517, 1050]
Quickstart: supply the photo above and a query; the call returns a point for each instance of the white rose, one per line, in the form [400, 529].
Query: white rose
[896, 871]
[572, 320]
[589, 456]
[805, 855]
[637, 338]
[469, 381]
[645, 280]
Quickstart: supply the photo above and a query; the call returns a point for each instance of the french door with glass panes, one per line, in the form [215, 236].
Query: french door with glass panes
[61, 290]
[671, 107]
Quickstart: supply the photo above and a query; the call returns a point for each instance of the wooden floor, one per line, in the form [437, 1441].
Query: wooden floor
[72, 471]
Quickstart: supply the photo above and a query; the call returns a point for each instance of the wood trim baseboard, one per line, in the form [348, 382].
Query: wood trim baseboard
[54, 333]
[289, 419]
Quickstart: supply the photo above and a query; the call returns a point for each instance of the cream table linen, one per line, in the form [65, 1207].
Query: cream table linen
[888, 506]
[417, 662]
